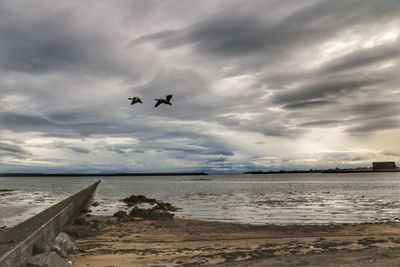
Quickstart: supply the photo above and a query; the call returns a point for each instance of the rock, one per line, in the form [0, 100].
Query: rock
[52, 246]
[151, 214]
[66, 242]
[79, 221]
[133, 200]
[120, 214]
[165, 206]
[48, 259]
[95, 204]
[140, 199]
[6, 192]
[85, 211]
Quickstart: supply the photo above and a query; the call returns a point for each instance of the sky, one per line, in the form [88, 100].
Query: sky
[256, 85]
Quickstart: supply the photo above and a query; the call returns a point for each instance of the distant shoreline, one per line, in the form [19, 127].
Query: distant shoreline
[102, 174]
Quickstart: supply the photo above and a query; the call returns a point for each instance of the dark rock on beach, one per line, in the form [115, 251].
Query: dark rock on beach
[159, 211]
[79, 221]
[85, 229]
[48, 259]
[151, 214]
[164, 206]
[67, 243]
[95, 204]
[139, 199]
[120, 214]
[62, 245]
[6, 192]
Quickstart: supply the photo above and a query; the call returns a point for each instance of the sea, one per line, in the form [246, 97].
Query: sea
[308, 198]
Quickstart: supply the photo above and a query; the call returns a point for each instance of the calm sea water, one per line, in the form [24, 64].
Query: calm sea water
[255, 199]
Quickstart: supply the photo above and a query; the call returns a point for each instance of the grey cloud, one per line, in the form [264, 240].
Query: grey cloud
[323, 123]
[358, 61]
[16, 121]
[79, 149]
[328, 87]
[282, 131]
[363, 57]
[374, 125]
[65, 116]
[308, 104]
[374, 109]
[184, 83]
[12, 149]
[391, 154]
[347, 157]
[248, 33]
[202, 151]
[39, 42]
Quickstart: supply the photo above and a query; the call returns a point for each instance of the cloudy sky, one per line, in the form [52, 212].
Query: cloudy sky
[256, 84]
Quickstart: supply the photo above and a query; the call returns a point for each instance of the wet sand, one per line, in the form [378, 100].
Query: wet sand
[198, 243]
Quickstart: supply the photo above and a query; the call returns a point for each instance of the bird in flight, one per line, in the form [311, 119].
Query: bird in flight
[135, 100]
[166, 100]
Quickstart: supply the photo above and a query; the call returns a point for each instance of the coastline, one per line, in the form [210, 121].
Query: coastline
[183, 242]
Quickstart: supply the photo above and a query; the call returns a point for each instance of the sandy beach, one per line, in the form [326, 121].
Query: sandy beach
[179, 242]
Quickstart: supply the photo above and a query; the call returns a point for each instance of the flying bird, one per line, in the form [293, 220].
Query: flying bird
[166, 100]
[135, 100]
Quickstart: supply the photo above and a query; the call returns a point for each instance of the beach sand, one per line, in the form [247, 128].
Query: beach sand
[199, 243]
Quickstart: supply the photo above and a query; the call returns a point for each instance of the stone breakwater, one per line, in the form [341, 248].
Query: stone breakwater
[18, 244]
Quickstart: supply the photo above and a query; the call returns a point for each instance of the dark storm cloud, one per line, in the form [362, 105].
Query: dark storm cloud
[79, 149]
[202, 151]
[184, 83]
[363, 57]
[329, 87]
[347, 157]
[374, 125]
[11, 120]
[308, 104]
[65, 116]
[391, 153]
[45, 37]
[12, 149]
[362, 60]
[227, 34]
[374, 109]
[322, 123]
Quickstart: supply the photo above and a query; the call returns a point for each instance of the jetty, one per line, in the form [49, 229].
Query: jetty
[17, 244]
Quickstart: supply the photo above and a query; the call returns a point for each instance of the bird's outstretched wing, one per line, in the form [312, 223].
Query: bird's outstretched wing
[135, 100]
[168, 98]
[159, 101]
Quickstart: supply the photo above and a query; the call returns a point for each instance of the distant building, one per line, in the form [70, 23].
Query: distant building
[383, 166]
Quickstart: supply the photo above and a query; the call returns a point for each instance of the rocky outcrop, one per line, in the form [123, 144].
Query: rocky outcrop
[159, 211]
[151, 214]
[54, 253]
[139, 199]
[120, 214]
[48, 259]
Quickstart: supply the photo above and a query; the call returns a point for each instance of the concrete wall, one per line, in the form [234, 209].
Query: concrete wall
[16, 245]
